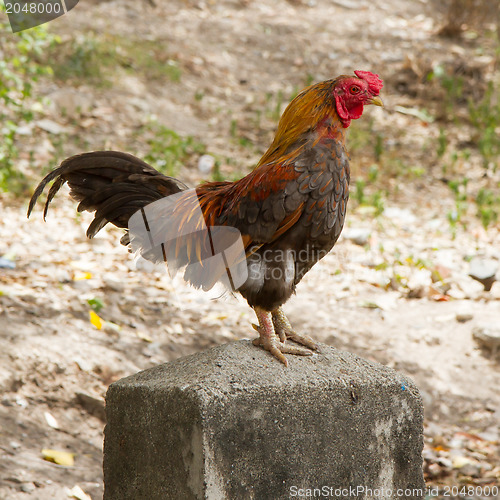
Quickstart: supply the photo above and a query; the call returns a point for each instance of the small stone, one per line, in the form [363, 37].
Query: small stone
[418, 284]
[463, 317]
[206, 164]
[495, 291]
[440, 273]
[465, 287]
[21, 402]
[71, 102]
[28, 488]
[459, 461]
[402, 215]
[92, 404]
[434, 224]
[84, 364]
[445, 462]
[491, 434]
[358, 235]
[113, 283]
[62, 275]
[417, 292]
[7, 263]
[470, 469]
[434, 470]
[487, 338]
[25, 129]
[484, 271]
[50, 126]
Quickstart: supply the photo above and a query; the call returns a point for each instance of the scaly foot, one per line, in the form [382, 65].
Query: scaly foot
[270, 341]
[284, 330]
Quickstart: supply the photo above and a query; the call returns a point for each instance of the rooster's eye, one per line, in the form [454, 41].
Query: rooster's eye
[354, 89]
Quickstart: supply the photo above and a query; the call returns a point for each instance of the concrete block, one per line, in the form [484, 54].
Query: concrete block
[233, 423]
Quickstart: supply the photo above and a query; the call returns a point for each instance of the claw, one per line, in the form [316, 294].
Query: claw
[273, 324]
[280, 332]
[304, 340]
[278, 349]
[284, 330]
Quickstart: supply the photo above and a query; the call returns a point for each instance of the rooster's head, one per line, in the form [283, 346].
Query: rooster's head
[353, 92]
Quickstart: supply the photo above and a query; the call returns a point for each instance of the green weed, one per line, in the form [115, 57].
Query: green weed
[453, 86]
[374, 200]
[359, 191]
[83, 58]
[378, 147]
[19, 69]
[273, 105]
[485, 117]
[377, 202]
[360, 135]
[488, 206]
[216, 173]
[96, 59]
[373, 173]
[416, 172]
[309, 79]
[442, 142]
[455, 217]
[169, 151]
[238, 137]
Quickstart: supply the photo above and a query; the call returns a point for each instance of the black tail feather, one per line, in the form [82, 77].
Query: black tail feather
[112, 184]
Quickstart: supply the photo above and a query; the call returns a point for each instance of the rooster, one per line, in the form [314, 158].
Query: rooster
[289, 211]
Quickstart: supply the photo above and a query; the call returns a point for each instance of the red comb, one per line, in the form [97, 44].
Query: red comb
[374, 81]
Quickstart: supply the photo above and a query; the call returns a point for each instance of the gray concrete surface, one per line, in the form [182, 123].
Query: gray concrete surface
[233, 423]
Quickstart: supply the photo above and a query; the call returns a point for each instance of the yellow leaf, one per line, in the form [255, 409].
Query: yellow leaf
[95, 320]
[59, 457]
[82, 276]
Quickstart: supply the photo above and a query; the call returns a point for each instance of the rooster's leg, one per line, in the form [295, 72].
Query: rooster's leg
[284, 330]
[270, 341]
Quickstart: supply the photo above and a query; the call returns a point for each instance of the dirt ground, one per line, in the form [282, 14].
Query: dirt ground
[55, 365]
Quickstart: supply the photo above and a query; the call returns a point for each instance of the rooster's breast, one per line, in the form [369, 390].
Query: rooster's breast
[323, 184]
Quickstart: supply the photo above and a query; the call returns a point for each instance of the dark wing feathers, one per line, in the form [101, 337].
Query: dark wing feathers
[311, 190]
[322, 184]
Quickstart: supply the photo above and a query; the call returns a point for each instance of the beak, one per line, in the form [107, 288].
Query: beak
[375, 100]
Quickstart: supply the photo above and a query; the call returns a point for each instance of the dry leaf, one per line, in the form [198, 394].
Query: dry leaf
[59, 457]
[144, 337]
[440, 297]
[78, 493]
[51, 420]
[440, 447]
[78, 276]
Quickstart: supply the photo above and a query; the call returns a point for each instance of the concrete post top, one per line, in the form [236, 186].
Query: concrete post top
[240, 366]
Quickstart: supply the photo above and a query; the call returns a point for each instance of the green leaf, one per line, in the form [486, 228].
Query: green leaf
[95, 304]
